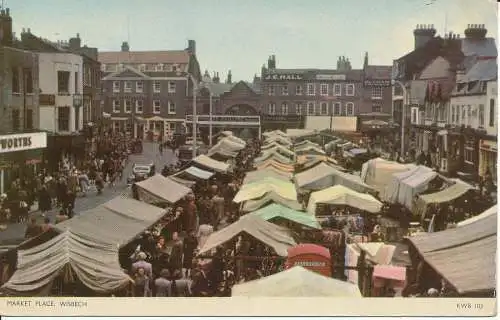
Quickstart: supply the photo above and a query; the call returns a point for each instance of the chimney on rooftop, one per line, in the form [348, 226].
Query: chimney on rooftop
[192, 47]
[475, 31]
[423, 33]
[75, 43]
[6, 35]
[125, 46]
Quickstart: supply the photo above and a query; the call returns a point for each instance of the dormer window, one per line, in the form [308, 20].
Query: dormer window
[460, 87]
[174, 68]
[159, 67]
[471, 85]
[142, 67]
[168, 67]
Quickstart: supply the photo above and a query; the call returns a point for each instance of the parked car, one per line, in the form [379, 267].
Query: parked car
[141, 172]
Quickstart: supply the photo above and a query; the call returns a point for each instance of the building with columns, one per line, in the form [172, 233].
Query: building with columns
[145, 93]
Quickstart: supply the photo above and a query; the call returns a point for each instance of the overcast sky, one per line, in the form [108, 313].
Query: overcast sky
[241, 34]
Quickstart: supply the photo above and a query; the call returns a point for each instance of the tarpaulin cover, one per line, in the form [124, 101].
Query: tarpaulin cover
[257, 175]
[196, 172]
[274, 236]
[274, 155]
[378, 173]
[257, 189]
[162, 188]
[184, 182]
[324, 175]
[296, 282]
[311, 160]
[309, 151]
[208, 162]
[297, 133]
[274, 133]
[276, 165]
[270, 197]
[226, 147]
[407, 184]
[340, 195]
[305, 144]
[88, 244]
[270, 146]
[356, 151]
[275, 210]
[448, 194]
[485, 214]
[279, 150]
[279, 140]
[235, 139]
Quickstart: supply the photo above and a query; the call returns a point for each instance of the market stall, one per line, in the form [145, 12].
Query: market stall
[272, 156]
[312, 257]
[276, 165]
[378, 173]
[193, 174]
[160, 189]
[281, 214]
[208, 163]
[268, 198]
[254, 176]
[310, 151]
[259, 188]
[340, 195]
[296, 282]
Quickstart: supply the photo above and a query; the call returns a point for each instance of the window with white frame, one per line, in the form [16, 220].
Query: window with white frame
[127, 106]
[376, 108]
[311, 89]
[299, 90]
[159, 67]
[377, 92]
[271, 108]
[139, 106]
[284, 108]
[298, 108]
[324, 89]
[349, 89]
[171, 107]
[310, 109]
[171, 87]
[156, 106]
[469, 152]
[156, 86]
[350, 109]
[481, 115]
[271, 90]
[116, 86]
[324, 108]
[284, 90]
[116, 106]
[139, 86]
[337, 89]
[127, 86]
[336, 109]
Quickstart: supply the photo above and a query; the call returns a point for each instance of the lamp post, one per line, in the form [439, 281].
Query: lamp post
[403, 114]
[77, 103]
[195, 89]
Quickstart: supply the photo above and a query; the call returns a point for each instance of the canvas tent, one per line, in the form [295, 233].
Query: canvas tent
[207, 162]
[450, 193]
[323, 176]
[87, 245]
[274, 236]
[274, 133]
[257, 175]
[378, 173]
[271, 163]
[226, 147]
[310, 151]
[279, 150]
[305, 144]
[297, 133]
[340, 195]
[161, 189]
[270, 197]
[235, 139]
[485, 214]
[184, 182]
[272, 156]
[277, 211]
[464, 256]
[407, 184]
[194, 173]
[296, 282]
[257, 189]
[278, 140]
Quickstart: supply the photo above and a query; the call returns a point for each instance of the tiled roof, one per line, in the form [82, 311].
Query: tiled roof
[378, 72]
[138, 57]
[482, 70]
[254, 86]
[481, 48]
[218, 89]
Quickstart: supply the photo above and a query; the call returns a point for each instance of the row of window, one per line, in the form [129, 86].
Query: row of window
[139, 86]
[139, 106]
[16, 119]
[466, 114]
[146, 67]
[324, 89]
[312, 108]
[18, 78]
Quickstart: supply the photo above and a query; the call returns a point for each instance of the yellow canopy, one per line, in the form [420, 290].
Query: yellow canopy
[276, 165]
[341, 195]
[257, 189]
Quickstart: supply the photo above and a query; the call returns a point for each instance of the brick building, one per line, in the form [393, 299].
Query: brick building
[148, 91]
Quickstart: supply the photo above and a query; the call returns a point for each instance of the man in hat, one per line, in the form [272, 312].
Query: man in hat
[142, 263]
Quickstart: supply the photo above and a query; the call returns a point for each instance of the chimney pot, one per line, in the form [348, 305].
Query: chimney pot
[7, 11]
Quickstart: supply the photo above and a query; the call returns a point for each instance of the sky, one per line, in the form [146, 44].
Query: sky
[239, 35]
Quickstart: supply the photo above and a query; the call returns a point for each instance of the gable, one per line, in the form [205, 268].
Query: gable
[127, 72]
[241, 89]
[438, 68]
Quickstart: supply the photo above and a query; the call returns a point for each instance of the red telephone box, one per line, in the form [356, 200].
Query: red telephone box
[310, 256]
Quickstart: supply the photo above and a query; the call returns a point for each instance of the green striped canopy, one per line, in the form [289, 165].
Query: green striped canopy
[275, 210]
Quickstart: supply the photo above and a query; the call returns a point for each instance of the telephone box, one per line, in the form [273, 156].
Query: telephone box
[310, 256]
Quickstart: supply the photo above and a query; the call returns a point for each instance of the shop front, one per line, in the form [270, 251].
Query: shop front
[21, 155]
[488, 158]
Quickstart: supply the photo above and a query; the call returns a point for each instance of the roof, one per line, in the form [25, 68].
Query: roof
[271, 163]
[483, 48]
[259, 188]
[217, 89]
[274, 236]
[297, 282]
[309, 248]
[270, 197]
[275, 210]
[482, 70]
[340, 195]
[378, 72]
[446, 195]
[257, 175]
[163, 188]
[198, 173]
[138, 57]
[208, 162]
[491, 211]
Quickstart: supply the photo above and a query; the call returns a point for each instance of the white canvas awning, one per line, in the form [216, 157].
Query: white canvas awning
[198, 173]
[340, 195]
[163, 188]
[257, 175]
[258, 189]
[208, 162]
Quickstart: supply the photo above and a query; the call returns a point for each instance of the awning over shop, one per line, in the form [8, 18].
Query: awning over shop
[208, 162]
[407, 184]
[87, 245]
[274, 236]
[270, 197]
[323, 176]
[378, 173]
[258, 175]
[257, 189]
[275, 210]
[448, 194]
[163, 188]
[340, 195]
[296, 282]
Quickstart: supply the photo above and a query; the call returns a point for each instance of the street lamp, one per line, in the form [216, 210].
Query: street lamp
[403, 114]
[77, 103]
[195, 89]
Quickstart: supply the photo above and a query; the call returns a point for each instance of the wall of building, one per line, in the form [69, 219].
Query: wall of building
[49, 65]
[491, 100]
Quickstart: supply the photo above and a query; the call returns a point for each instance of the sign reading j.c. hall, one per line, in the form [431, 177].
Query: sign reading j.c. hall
[283, 77]
[23, 141]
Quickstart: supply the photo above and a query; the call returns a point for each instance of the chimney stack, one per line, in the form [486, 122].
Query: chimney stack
[423, 34]
[75, 43]
[7, 36]
[475, 31]
[125, 47]
[192, 46]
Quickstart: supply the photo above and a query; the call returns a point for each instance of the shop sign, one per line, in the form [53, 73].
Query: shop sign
[47, 99]
[331, 77]
[310, 263]
[377, 83]
[283, 77]
[23, 141]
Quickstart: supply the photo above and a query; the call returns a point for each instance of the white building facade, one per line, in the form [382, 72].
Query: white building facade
[61, 88]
